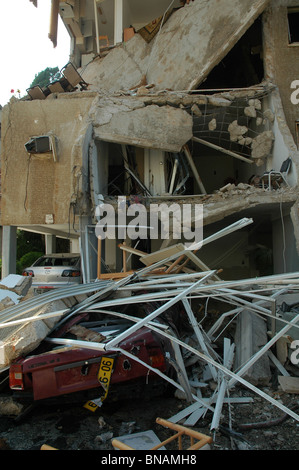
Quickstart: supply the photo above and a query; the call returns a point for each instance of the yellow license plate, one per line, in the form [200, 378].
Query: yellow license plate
[105, 371]
[104, 376]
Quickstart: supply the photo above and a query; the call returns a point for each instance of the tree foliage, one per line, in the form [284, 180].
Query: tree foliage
[29, 241]
[27, 260]
[43, 78]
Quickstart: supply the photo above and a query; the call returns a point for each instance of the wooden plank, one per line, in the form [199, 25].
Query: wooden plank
[194, 169]
[124, 261]
[132, 250]
[162, 254]
[115, 275]
[173, 265]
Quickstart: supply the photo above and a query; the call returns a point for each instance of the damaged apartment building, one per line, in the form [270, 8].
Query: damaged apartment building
[185, 102]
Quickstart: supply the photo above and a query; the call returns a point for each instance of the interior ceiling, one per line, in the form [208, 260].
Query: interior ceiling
[61, 231]
[136, 12]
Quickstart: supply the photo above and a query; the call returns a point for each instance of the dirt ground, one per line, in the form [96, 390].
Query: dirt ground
[73, 427]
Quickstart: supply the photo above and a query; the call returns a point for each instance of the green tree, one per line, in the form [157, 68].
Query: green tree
[30, 246]
[27, 260]
[43, 78]
[29, 241]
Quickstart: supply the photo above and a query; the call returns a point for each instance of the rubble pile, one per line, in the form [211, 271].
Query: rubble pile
[253, 329]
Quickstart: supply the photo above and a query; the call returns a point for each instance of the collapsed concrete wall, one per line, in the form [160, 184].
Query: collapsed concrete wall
[193, 35]
[27, 318]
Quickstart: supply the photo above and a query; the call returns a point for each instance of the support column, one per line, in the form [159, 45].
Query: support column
[154, 171]
[88, 249]
[118, 21]
[9, 250]
[75, 245]
[50, 244]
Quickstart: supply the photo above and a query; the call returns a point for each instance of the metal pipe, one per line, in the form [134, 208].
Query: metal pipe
[157, 312]
[97, 26]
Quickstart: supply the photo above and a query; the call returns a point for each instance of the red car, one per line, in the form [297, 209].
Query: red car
[59, 371]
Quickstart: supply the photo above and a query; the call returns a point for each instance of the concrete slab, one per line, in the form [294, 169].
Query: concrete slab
[141, 441]
[195, 39]
[121, 69]
[165, 128]
[11, 281]
[22, 340]
[250, 337]
[190, 44]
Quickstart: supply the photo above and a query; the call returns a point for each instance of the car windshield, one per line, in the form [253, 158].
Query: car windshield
[54, 261]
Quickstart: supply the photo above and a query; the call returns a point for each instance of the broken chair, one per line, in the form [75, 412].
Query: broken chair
[197, 439]
[56, 87]
[37, 93]
[73, 77]
[273, 178]
[104, 38]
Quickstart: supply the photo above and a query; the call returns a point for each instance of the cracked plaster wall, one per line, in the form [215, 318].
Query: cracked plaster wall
[33, 187]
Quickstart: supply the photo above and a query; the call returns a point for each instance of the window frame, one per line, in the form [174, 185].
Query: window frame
[290, 11]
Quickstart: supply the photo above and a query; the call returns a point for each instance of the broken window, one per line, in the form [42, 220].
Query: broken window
[293, 25]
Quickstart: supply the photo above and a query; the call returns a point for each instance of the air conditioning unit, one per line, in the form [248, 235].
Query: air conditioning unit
[40, 144]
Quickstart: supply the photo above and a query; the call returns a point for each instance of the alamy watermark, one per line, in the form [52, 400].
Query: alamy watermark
[295, 354]
[295, 94]
[156, 221]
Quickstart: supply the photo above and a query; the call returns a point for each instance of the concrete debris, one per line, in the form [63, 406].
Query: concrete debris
[19, 285]
[268, 114]
[250, 111]
[7, 299]
[25, 324]
[120, 129]
[289, 384]
[251, 334]
[106, 436]
[85, 334]
[256, 103]
[212, 125]
[10, 407]
[195, 110]
[27, 337]
[236, 131]
[262, 145]
[215, 100]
